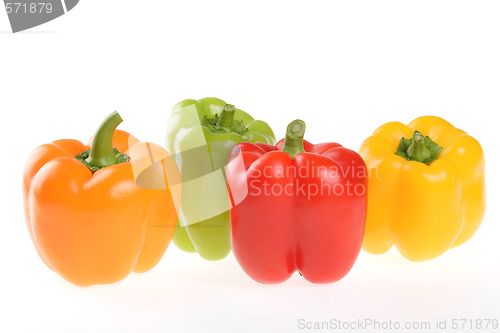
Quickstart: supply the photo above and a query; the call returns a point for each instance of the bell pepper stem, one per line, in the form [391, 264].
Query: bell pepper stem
[227, 116]
[418, 148]
[224, 122]
[417, 151]
[101, 153]
[294, 138]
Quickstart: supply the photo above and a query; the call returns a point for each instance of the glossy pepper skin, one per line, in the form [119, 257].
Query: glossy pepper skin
[95, 227]
[297, 207]
[200, 136]
[423, 208]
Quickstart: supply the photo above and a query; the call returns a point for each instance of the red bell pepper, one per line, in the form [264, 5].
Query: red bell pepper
[296, 206]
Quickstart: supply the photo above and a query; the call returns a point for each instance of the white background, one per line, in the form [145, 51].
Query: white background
[345, 67]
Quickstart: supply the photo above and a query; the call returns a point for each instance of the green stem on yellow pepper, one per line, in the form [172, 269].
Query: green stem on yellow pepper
[417, 151]
[418, 148]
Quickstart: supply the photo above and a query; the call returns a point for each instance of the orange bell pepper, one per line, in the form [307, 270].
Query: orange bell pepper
[94, 213]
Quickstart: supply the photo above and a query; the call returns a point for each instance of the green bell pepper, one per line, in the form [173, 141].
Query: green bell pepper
[200, 135]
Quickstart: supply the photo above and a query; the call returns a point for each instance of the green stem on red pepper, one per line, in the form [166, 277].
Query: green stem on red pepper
[102, 154]
[293, 143]
[418, 148]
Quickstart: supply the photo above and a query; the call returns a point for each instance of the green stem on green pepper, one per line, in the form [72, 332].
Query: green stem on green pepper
[226, 118]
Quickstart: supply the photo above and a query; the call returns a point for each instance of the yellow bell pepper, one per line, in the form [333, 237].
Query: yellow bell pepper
[426, 190]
